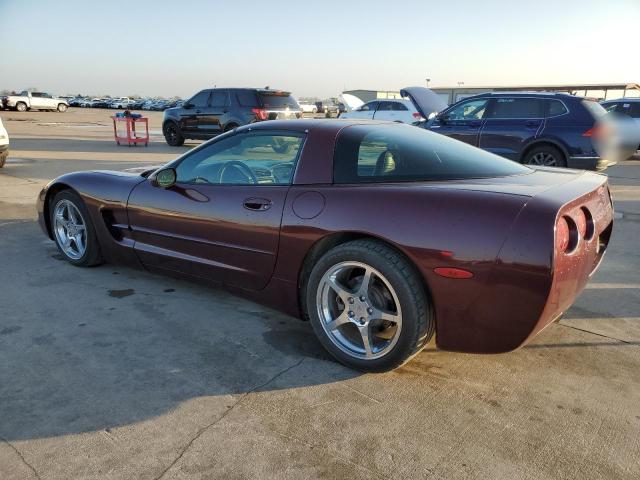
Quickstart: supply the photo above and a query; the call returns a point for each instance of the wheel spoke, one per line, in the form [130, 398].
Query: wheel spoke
[342, 292]
[72, 215]
[366, 281]
[366, 339]
[79, 241]
[388, 316]
[63, 222]
[339, 320]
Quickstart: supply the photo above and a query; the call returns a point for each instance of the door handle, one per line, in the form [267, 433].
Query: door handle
[257, 204]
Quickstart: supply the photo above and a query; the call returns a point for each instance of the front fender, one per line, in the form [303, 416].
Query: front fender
[105, 195]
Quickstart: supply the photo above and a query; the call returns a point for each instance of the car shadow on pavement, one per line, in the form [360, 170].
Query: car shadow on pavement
[89, 349]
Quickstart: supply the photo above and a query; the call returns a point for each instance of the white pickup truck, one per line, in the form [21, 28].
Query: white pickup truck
[4, 144]
[35, 101]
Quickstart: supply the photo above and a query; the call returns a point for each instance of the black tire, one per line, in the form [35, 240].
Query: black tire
[230, 127]
[21, 107]
[3, 158]
[62, 107]
[172, 134]
[545, 152]
[92, 255]
[418, 324]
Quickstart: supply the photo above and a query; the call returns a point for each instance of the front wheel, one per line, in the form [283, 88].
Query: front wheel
[73, 230]
[172, 134]
[368, 306]
[62, 108]
[3, 158]
[21, 107]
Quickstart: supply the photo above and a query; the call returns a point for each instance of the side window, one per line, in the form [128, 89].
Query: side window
[219, 98]
[385, 106]
[612, 107]
[471, 110]
[397, 106]
[36, 94]
[556, 108]
[263, 158]
[200, 99]
[368, 107]
[385, 153]
[517, 108]
[247, 99]
[634, 110]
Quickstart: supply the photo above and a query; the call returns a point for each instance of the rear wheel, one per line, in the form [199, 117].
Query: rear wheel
[73, 230]
[545, 156]
[172, 134]
[21, 107]
[3, 158]
[368, 306]
[62, 107]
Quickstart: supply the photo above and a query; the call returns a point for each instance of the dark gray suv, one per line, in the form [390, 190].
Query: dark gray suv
[213, 111]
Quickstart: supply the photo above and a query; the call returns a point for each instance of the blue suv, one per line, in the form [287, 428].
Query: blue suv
[550, 129]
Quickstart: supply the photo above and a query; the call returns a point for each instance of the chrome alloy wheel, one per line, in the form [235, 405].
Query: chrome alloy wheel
[70, 229]
[359, 310]
[545, 159]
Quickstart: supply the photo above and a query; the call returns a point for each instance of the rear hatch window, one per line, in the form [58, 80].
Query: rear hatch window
[277, 100]
[393, 153]
[595, 109]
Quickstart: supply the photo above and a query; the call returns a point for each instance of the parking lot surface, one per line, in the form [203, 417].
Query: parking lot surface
[111, 372]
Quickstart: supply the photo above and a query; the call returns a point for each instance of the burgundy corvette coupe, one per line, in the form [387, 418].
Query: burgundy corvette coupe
[380, 234]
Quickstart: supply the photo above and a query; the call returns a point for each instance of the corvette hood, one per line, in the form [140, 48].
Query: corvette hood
[426, 101]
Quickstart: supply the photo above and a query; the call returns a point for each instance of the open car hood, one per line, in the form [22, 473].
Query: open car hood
[426, 101]
[351, 102]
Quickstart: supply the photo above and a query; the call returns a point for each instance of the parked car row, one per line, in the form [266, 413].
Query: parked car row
[125, 103]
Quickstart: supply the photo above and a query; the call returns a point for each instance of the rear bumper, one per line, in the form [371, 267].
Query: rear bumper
[588, 163]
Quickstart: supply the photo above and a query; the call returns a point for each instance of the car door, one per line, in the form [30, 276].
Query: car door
[510, 124]
[385, 111]
[221, 219]
[37, 101]
[190, 111]
[462, 121]
[366, 111]
[210, 117]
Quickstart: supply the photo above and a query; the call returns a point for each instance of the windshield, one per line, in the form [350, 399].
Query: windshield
[277, 100]
[391, 153]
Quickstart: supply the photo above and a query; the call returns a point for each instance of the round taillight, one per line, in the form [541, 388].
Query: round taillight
[562, 235]
[581, 222]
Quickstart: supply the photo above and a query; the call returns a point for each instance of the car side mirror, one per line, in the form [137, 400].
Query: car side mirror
[187, 105]
[443, 118]
[166, 177]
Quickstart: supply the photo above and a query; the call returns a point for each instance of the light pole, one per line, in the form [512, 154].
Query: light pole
[428, 80]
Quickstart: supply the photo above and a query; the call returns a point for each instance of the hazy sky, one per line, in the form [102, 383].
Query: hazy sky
[312, 48]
